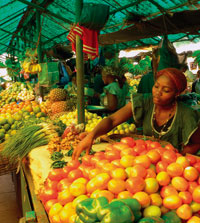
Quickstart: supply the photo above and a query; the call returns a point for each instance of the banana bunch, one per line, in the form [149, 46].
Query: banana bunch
[31, 68]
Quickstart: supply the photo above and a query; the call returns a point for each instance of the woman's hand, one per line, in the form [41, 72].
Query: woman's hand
[192, 149]
[85, 144]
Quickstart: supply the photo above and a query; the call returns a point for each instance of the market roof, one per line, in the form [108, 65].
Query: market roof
[131, 23]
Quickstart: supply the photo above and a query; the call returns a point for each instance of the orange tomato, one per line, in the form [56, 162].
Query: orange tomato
[192, 159]
[179, 183]
[169, 156]
[124, 194]
[184, 212]
[183, 161]
[108, 167]
[49, 204]
[118, 173]
[154, 156]
[66, 213]
[127, 160]
[190, 173]
[150, 173]
[101, 163]
[74, 174]
[167, 191]
[151, 185]
[105, 193]
[143, 198]
[172, 202]
[128, 151]
[175, 169]
[139, 149]
[143, 160]
[138, 170]
[194, 219]
[116, 186]
[55, 209]
[186, 197]
[135, 184]
[161, 166]
[156, 199]
[93, 172]
[163, 178]
[77, 189]
[65, 196]
[192, 185]
[196, 194]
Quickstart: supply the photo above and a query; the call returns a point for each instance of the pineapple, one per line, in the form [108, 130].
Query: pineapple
[59, 106]
[58, 94]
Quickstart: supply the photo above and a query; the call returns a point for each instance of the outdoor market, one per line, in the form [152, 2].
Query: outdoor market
[99, 111]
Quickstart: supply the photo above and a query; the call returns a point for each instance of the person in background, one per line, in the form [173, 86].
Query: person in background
[189, 75]
[160, 114]
[196, 84]
[147, 81]
[114, 95]
[71, 87]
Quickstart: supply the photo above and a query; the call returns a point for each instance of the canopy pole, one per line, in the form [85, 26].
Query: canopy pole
[80, 69]
[39, 49]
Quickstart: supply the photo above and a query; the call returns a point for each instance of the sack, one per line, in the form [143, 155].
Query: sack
[94, 16]
[49, 74]
[168, 55]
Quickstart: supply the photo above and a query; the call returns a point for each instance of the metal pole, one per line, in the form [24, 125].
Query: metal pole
[39, 50]
[80, 69]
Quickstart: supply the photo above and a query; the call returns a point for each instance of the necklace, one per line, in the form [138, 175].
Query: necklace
[163, 130]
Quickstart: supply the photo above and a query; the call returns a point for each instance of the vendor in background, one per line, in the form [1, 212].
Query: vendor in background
[114, 93]
[160, 114]
[196, 84]
[71, 87]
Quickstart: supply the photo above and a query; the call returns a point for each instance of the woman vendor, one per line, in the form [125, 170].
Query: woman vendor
[160, 114]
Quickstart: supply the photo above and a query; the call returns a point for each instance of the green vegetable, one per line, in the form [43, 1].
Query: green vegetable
[151, 220]
[57, 156]
[171, 217]
[88, 208]
[116, 211]
[58, 164]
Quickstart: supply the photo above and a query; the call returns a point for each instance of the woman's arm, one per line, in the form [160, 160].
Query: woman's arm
[102, 128]
[194, 145]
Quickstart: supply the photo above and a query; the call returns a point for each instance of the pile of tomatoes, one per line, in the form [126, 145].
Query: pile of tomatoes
[144, 170]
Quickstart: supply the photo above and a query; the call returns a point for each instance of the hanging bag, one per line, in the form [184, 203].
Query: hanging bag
[94, 16]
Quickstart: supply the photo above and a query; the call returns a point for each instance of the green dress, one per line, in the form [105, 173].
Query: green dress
[184, 123]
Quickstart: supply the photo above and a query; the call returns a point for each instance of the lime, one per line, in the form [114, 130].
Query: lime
[17, 117]
[10, 120]
[14, 126]
[2, 135]
[2, 131]
[3, 121]
[36, 109]
[6, 127]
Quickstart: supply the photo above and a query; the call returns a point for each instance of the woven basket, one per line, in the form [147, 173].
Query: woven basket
[5, 166]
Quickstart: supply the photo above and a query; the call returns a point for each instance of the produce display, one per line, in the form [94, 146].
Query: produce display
[133, 180]
[16, 91]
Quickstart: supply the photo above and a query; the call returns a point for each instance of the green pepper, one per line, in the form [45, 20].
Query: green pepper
[115, 212]
[135, 207]
[88, 208]
[57, 156]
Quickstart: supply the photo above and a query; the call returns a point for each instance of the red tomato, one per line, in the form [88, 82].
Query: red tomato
[95, 160]
[49, 204]
[86, 160]
[140, 148]
[197, 165]
[100, 155]
[73, 164]
[192, 159]
[56, 174]
[112, 155]
[50, 184]
[129, 141]
[74, 174]
[63, 184]
[161, 166]
[169, 156]
[66, 170]
[86, 170]
[47, 194]
[154, 145]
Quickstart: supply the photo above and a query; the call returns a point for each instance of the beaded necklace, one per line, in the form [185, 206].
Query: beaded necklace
[162, 132]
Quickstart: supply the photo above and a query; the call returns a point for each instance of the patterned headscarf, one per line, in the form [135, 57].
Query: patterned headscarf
[176, 76]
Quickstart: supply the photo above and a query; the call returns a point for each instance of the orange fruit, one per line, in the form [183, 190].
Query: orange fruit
[169, 156]
[184, 212]
[175, 169]
[151, 185]
[118, 173]
[196, 194]
[190, 173]
[143, 160]
[143, 198]
[167, 191]
[191, 186]
[116, 186]
[138, 170]
[127, 160]
[179, 183]
[183, 161]
[124, 194]
[186, 197]
[163, 178]
[154, 156]
[156, 199]
[194, 219]
[172, 202]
